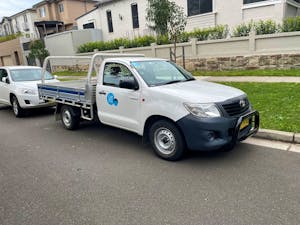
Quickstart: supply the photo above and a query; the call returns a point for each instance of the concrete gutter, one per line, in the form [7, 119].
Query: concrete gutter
[275, 135]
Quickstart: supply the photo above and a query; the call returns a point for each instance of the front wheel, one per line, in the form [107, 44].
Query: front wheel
[167, 140]
[18, 111]
[70, 119]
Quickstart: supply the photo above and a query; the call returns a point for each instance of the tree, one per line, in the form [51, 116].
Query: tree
[158, 14]
[176, 24]
[38, 51]
[166, 18]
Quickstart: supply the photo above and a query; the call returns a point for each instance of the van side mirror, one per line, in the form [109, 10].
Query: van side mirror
[129, 83]
[5, 80]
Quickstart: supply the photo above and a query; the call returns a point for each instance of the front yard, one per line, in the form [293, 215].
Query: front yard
[278, 104]
[266, 72]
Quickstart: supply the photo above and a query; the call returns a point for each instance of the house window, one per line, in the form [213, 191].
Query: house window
[89, 26]
[25, 18]
[60, 7]
[42, 12]
[196, 7]
[253, 1]
[109, 21]
[135, 16]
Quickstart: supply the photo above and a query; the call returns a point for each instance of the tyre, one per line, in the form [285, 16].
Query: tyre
[17, 110]
[166, 140]
[70, 118]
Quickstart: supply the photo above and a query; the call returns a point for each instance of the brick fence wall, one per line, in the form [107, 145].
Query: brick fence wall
[276, 61]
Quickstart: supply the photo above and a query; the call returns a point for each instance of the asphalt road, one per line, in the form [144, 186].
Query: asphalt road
[103, 175]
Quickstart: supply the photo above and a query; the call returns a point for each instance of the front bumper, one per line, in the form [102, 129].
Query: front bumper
[206, 134]
[33, 101]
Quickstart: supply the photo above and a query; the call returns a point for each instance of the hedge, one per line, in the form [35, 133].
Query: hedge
[211, 33]
[9, 37]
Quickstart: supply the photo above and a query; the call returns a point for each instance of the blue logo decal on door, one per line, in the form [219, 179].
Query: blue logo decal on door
[112, 100]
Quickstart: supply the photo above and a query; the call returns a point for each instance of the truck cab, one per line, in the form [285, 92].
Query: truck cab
[165, 104]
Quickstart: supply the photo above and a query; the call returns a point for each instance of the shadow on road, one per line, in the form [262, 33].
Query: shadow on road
[133, 142]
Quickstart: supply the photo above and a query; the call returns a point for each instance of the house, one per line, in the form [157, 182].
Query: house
[55, 16]
[23, 22]
[126, 18]
[16, 51]
[6, 27]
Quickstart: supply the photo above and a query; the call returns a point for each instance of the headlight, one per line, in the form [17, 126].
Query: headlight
[203, 110]
[28, 91]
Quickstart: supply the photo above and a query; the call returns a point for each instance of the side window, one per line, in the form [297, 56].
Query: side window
[114, 73]
[3, 73]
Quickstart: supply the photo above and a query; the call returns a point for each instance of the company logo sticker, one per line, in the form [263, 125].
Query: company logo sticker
[111, 100]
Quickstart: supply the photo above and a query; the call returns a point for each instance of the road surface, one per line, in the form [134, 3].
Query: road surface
[102, 175]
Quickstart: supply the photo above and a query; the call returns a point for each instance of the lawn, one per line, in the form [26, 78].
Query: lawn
[278, 104]
[71, 73]
[266, 72]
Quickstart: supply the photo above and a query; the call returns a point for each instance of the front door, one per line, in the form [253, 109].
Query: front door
[4, 87]
[118, 106]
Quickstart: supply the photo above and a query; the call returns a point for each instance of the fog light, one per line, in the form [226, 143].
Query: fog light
[211, 136]
[27, 102]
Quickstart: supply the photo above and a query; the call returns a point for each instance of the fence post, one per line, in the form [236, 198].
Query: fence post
[153, 49]
[194, 47]
[121, 49]
[252, 40]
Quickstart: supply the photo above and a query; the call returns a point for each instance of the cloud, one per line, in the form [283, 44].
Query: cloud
[11, 7]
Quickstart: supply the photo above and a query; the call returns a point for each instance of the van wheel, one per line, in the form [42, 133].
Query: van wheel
[18, 111]
[70, 119]
[166, 140]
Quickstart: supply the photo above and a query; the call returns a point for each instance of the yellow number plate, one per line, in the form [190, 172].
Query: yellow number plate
[244, 123]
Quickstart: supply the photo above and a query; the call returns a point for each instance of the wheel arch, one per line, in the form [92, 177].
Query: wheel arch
[151, 120]
[11, 95]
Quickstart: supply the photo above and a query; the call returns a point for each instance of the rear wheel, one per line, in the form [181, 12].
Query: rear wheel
[166, 140]
[18, 111]
[69, 117]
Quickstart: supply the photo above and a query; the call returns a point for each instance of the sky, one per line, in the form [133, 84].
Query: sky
[11, 7]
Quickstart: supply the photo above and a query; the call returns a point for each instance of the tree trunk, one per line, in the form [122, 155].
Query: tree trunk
[175, 49]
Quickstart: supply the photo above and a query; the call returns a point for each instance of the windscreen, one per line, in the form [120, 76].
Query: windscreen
[159, 72]
[29, 75]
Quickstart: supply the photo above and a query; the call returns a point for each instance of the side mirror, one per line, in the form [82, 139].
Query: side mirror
[129, 84]
[5, 80]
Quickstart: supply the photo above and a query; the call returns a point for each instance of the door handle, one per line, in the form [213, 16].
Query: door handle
[134, 98]
[102, 93]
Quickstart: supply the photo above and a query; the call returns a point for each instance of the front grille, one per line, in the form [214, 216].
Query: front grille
[235, 108]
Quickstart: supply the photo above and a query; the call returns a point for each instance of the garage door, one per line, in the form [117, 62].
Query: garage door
[7, 61]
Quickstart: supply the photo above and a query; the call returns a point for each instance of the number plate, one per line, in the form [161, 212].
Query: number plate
[244, 123]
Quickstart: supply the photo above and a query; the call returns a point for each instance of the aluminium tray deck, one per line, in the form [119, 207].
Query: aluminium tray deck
[69, 92]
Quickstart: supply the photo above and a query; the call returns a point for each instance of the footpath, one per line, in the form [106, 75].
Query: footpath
[274, 135]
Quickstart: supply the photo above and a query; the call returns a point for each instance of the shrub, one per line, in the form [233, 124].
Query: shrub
[243, 30]
[163, 40]
[291, 24]
[116, 43]
[260, 27]
[184, 37]
[266, 27]
[9, 37]
[211, 33]
[219, 32]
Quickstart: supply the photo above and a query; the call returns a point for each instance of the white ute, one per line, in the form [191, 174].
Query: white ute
[18, 88]
[158, 100]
